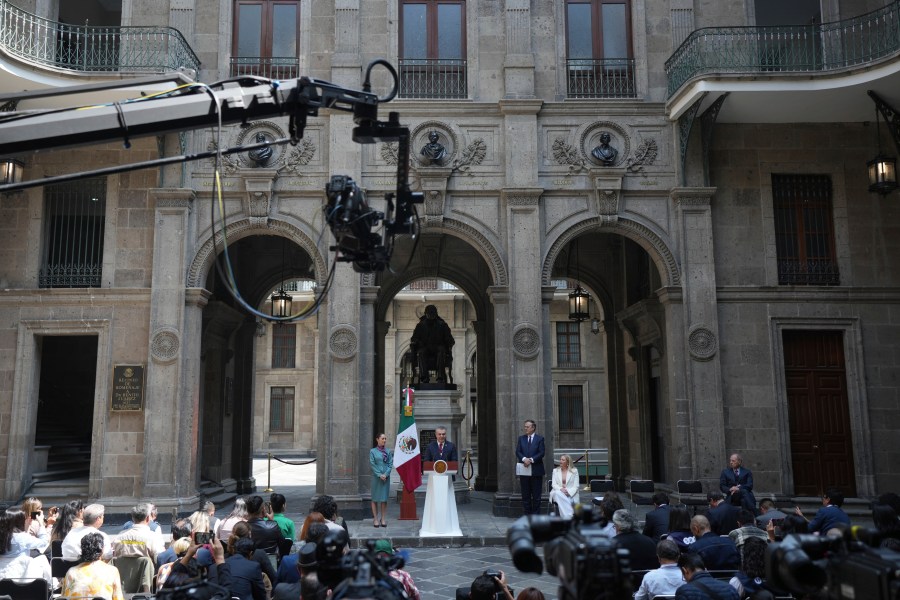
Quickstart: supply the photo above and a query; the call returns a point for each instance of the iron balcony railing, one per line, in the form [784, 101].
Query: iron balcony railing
[788, 49]
[86, 48]
[433, 78]
[601, 78]
[273, 67]
[808, 272]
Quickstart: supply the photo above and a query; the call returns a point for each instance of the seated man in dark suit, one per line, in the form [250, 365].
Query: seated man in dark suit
[700, 584]
[738, 481]
[722, 515]
[656, 522]
[642, 550]
[719, 553]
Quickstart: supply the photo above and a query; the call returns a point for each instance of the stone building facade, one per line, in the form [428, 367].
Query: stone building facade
[743, 280]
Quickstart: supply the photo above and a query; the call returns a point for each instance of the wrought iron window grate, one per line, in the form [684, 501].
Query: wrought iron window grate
[428, 78]
[571, 412]
[804, 230]
[74, 225]
[281, 410]
[602, 78]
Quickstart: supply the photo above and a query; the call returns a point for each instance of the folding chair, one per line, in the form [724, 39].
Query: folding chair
[691, 493]
[25, 589]
[60, 566]
[599, 487]
[641, 486]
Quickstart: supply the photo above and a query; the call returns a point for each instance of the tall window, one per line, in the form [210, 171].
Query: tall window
[433, 49]
[599, 62]
[571, 416]
[74, 224]
[284, 346]
[568, 344]
[281, 410]
[265, 38]
[804, 230]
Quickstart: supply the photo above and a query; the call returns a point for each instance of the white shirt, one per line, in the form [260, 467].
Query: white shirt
[660, 582]
[71, 546]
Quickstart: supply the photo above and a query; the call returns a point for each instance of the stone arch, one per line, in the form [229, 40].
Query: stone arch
[649, 240]
[480, 243]
[237, 230]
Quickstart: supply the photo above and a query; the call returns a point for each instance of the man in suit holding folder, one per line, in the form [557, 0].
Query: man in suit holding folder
[530, 468]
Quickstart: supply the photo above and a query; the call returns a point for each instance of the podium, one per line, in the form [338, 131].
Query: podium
[440, 518]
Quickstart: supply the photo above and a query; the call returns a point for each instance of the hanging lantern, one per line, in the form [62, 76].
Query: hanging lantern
[579, 304]
[882, 174]
[281, 303]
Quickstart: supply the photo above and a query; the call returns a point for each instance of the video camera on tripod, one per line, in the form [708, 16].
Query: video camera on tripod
[588, 563]
[835, 568]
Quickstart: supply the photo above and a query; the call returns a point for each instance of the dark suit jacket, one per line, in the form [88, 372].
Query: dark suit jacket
[286, 591]
[723, 518]
[642, 550]
[744, 479]
[433, 453]
[693, 591]
[246, 578]
[656, 523]
[535, 451]
[718, 553]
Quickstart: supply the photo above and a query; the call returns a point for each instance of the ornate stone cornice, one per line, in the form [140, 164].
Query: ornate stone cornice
[173, 197]
[692, 196]
[524, 106]
[522, 197]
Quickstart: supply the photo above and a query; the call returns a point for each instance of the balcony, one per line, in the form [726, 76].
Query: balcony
[433, 79]
[810, 73]
[272, 67]
[127, 50]
[604, 78]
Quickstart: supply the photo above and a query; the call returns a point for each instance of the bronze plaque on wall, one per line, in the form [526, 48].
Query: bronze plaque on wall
[128, 387]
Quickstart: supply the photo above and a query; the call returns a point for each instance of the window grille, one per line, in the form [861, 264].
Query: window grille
[568, 344]
[74, 224]
[804, 230]
[284, 345]
[571, 416]
[281, 410]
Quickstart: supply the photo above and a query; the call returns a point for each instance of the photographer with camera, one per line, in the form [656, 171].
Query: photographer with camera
[700, 584]
[490, 585]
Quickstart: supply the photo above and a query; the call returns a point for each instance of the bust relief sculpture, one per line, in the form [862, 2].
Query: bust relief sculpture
[605, 153]
[260, 156]
[433, 152]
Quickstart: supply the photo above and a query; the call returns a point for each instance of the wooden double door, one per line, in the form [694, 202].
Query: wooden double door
[818, 408]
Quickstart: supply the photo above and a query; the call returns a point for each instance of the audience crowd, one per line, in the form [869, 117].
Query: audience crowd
[256, 552]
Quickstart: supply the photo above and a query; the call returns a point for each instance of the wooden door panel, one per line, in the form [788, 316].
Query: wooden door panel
[818, 412]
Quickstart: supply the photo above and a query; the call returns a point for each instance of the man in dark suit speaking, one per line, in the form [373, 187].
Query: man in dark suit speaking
[530, 468]
[440, 449]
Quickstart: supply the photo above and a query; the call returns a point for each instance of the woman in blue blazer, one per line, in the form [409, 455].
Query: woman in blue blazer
[382, 461]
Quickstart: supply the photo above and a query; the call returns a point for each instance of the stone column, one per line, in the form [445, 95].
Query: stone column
[549, 415]
[384, 347]
[494, 427]
[518, 67]
[700, 334]
[170, 415]
[485, 407]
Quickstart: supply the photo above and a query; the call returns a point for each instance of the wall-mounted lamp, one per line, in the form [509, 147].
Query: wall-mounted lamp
[882, 168]
[11, 171]
[595, 326]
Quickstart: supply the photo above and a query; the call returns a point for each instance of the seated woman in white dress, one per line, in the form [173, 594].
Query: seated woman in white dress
[565, 487]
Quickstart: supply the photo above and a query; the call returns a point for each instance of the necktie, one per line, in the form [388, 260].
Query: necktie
[737, 473]
[529, 440]
[441, 448]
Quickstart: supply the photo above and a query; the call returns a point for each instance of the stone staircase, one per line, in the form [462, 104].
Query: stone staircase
[62, 463]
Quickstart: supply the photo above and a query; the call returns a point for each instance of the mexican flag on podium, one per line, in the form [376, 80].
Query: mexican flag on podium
[407, 458]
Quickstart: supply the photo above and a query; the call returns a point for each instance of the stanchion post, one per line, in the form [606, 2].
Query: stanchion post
[269, 475]
[587, 471]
